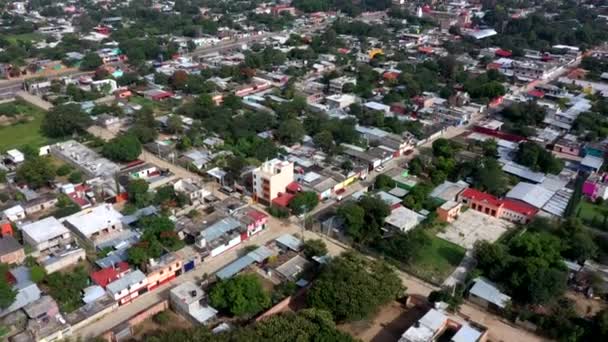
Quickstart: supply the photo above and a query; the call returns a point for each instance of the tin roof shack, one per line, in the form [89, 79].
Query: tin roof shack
[484, 293]
[163, 270]
[190, 301]
[95, 225]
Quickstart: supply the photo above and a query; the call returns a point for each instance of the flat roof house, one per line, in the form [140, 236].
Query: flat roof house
[11, 252]
[486, 294]
[220, 236]
[435, 325]
[190, 301]
[95, 224]
[403, 219]
[46, 234]
[129, 287]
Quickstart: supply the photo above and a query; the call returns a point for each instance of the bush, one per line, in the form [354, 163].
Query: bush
[75, 177]
[161, 318]
[37, 273]
[64, 170]
[278, 212]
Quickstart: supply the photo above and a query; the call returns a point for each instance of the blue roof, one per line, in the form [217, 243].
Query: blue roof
[220, 228]
[290, 242]
[112, 259]
[260, 254]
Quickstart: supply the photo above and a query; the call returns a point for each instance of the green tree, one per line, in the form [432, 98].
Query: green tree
[137, 190]
[64, 120]
[7, 294]
[75, 177]
[124, 148]
[91, 61]
[314, 247]
[175, 124]
[352, 287]
[384, 182]
[303, 202]
[37, 273]
[443, 148]
[290, 132]
[36, 172]
[242, 295]
[325, 141]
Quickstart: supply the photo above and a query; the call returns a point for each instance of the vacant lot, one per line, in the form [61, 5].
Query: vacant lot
[473, 226]
[25, 132]
[437, 261]
[150, 327]
[593, 214]
[387, 326]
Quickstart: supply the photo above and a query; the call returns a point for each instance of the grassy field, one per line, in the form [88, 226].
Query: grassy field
[20, 134]
[592, 214]
[437, 261]
[33, 36]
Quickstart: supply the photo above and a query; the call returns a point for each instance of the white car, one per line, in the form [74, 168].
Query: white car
[380, 168]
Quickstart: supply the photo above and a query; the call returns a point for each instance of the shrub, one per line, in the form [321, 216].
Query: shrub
[64, 170]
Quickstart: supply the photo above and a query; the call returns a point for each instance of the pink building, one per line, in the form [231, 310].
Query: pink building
[596, 186]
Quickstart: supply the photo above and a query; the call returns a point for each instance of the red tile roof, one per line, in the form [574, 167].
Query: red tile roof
[283, 199]
[503, 53]
[256, 215]
[536, 93]
[107, 275]
[519, 207]
[294, 187]
[477, 195]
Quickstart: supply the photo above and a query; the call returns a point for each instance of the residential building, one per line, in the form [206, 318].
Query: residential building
[128, 287]
[27, 291]
[193, 191]
[596, 186]
[403, 219]
[163, 270]
[257, 256]
[510, 210]
[340, 101]
[336, 84]
[45, 322]
[435, 325]
[109, 274]
[46, 234]
[11, 252]
[271, 179]
[253, 220]
[95, 224]
[190, 301]
[449, 211]
[43, 202]
[220, 236]
[14, 214]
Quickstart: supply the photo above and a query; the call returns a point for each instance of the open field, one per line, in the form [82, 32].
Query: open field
[592, 214]
[25, 133]
[26, 37]
[437, 261]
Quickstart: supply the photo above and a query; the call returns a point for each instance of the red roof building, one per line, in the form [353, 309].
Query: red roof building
[107, 275]
[283, 199]
[294, 188]
[6, 228]
[503, 53]
[488, 204]
[536, 93]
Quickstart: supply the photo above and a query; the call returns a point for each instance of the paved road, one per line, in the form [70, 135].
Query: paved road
[275, 229]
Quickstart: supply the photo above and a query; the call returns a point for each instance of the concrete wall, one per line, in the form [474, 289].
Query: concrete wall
[149, 312]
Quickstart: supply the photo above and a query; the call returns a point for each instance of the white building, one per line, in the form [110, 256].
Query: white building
[271, 179]
[190, 301]
[15, 156]
[95, 224]
[14, 214]
[45, 234]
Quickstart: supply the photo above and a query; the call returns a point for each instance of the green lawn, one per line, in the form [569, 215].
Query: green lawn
[438, 260]
[32, 36]
[27, 133]
[592, 214]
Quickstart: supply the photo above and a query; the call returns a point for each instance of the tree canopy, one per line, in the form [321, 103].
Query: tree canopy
[352, 287]
[242, 295]
[123, 148]
[64, 120]
[36, 172]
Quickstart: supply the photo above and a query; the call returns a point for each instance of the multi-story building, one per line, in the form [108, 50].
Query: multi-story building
[95, 224]
[190, 301]
[271, 179]
[163, 270]
[128, 287]
[46, 234]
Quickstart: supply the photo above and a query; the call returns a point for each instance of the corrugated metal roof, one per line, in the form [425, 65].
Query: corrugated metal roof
[523, 172]
[533, 194]
[290, 242]
[259, 255]
[488, 291]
